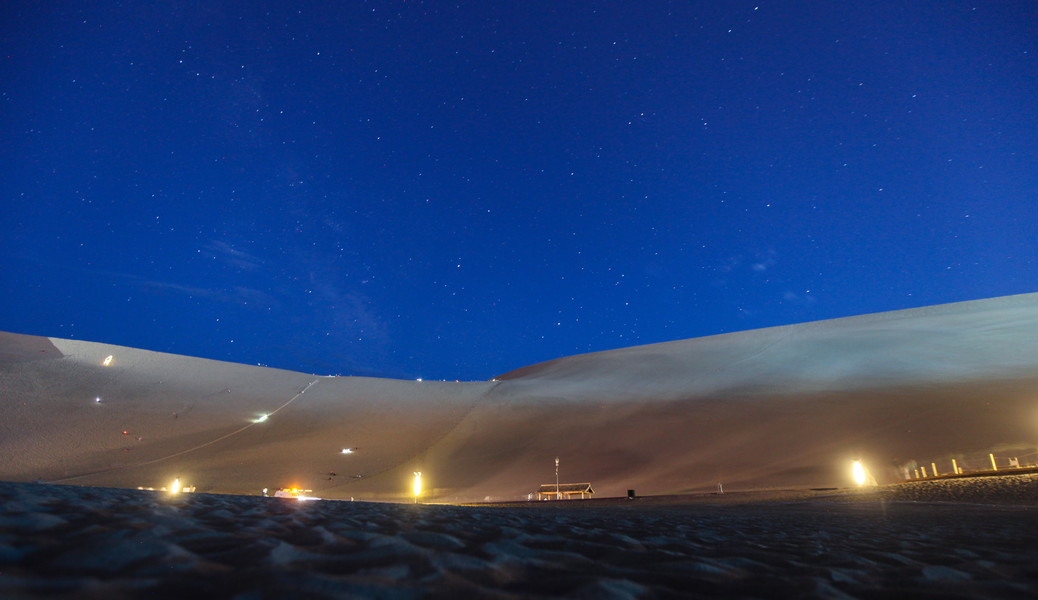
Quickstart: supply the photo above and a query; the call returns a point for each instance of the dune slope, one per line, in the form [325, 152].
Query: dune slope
[781, 407]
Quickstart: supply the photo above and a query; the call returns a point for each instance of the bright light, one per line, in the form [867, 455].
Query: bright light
[261, 418]
[347, 450]
[417, 485]
[107, 361]
[859, 473]
[296, 493]
[175, 487]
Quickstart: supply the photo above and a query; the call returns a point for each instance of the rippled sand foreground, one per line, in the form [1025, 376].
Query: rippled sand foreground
[947, 539]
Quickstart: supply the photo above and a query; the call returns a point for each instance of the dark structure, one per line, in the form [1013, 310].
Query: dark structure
[551, 491]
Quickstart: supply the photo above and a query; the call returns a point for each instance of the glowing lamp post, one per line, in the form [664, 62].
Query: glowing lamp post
[417, 485]
[859, 473]
[558, 496]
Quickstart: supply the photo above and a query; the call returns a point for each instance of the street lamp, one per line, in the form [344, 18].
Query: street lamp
[858, 470]
[558, 496]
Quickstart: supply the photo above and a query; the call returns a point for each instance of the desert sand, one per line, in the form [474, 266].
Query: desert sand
[912, 540]
[786, 407]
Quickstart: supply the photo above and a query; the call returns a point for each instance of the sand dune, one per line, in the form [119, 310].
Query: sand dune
[781, 407]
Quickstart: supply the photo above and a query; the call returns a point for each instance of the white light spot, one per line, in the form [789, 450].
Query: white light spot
[859, 473]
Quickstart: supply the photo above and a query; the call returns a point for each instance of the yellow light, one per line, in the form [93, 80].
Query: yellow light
[107, 361]
[417, 485]
[175, 487]
[859, 473]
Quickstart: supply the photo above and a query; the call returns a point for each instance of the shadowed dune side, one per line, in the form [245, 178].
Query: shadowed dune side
[781, 407]
[22, 348]
[148, 417]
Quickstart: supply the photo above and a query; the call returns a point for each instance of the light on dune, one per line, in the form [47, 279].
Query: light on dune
[347, 450]
[174, 488]
[859, 473]
[417, 485]
[107, 361]
[261, 418]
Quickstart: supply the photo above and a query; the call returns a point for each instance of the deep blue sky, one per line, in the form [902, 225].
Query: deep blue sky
[454, 190]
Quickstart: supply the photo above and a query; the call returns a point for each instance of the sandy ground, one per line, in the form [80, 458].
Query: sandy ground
[961, 538]
[774, 408]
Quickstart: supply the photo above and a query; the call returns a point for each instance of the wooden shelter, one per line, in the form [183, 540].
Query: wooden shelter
[550, 491]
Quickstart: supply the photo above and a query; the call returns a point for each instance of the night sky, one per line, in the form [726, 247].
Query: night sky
[454, 190]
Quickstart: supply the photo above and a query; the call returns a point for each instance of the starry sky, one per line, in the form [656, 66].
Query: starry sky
[452, 190]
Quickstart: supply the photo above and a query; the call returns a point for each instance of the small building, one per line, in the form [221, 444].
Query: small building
[551, 491]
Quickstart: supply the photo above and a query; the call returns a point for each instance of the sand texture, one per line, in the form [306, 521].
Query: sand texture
[82, 542]
[783, 407]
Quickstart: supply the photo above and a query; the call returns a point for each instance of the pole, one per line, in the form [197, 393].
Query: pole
[558, 496]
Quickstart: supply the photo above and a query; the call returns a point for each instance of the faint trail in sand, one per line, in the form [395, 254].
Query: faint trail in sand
[433, 444]
[233, 433]
[198, 447]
